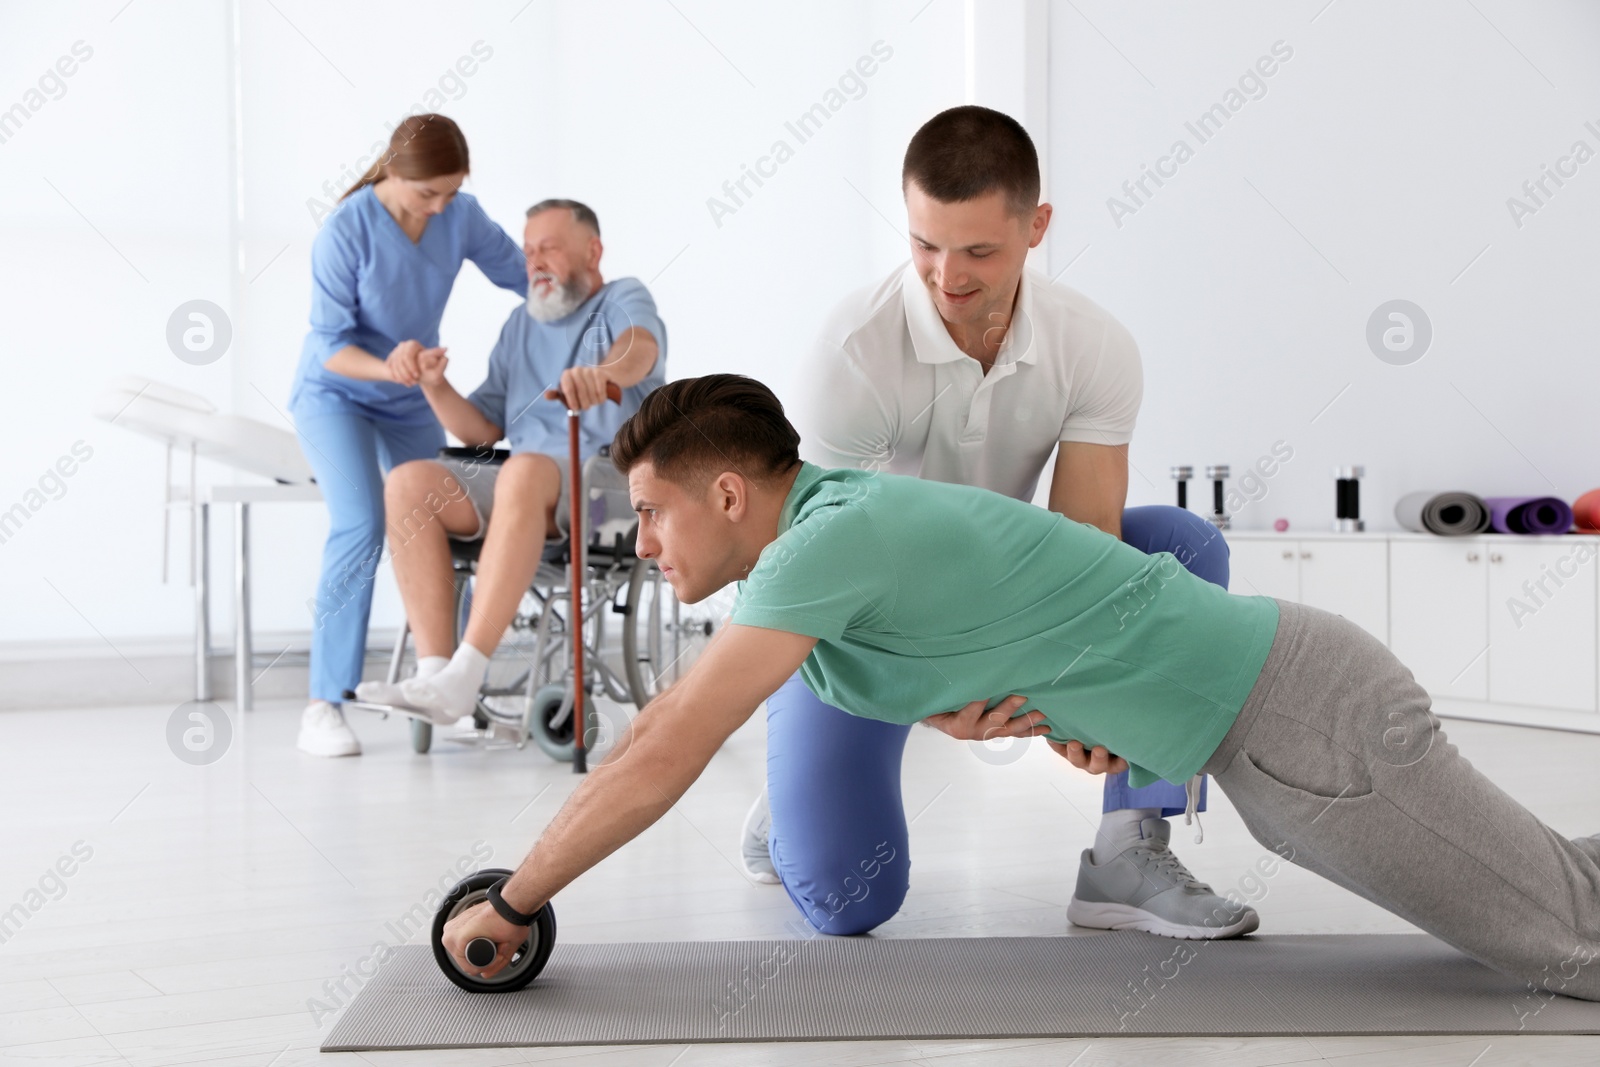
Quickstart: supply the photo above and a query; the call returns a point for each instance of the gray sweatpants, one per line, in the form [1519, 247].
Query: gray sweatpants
[1337, 761]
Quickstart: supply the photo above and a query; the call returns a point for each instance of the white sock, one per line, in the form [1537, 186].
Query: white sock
[384, 693]
[428, 666]
[458, 681]
[1120, 831]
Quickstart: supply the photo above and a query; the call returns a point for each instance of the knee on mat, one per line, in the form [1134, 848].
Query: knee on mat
[850, 895]
[1570, 969]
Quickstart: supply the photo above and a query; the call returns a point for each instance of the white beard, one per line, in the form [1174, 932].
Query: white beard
[559, 301]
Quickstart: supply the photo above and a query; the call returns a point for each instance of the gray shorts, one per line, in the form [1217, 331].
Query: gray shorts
[477, 477]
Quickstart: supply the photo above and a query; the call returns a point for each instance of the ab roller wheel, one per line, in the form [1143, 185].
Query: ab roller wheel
[526, 962]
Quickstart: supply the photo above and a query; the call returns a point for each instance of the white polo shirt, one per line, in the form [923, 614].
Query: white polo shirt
[887, 389]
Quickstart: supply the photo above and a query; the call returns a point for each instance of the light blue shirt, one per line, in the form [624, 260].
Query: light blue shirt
[372, 287]
[530, 356]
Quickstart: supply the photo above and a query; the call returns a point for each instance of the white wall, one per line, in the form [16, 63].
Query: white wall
[642, 109]
[1377, 165]
[114, 201]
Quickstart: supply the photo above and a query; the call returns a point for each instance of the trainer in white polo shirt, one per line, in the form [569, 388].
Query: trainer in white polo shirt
[886, 388]
[908, 376]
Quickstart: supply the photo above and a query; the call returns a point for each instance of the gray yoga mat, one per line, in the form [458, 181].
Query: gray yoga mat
[941, 988]
[1451, 514]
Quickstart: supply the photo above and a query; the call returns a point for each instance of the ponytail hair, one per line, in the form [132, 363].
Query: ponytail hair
[422, 146]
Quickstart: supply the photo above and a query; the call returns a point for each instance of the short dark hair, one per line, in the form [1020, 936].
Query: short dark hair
[967, 151]
[694, 428]
[581, 212]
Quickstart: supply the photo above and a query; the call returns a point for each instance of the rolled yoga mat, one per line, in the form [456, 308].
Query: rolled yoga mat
[857, 988]
[1586, 511]
[1529, 514]
[1447, 514]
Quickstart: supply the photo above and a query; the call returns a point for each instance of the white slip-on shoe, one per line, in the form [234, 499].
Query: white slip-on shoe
[323, 731]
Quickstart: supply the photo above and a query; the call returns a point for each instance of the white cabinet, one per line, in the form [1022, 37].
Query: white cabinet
[1264, 568]
[1542, 641]
[1347, 576]
[1493, 627]
[1511, 620]
[1438, 608]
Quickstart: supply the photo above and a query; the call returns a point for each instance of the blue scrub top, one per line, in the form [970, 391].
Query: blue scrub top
[530, 356]
[372, 287]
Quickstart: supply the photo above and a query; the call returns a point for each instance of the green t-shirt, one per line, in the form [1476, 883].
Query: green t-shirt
[925, 596]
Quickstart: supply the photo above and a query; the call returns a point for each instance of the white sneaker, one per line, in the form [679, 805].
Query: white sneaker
[323, 731]
[755, 853]
[1148, 888]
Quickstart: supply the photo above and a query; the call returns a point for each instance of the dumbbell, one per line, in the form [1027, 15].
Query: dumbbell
[526, 961]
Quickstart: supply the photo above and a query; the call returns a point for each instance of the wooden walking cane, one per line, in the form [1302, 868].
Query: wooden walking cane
[576, 532]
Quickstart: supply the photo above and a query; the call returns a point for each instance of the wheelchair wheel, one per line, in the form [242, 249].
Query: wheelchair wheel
[526, 962]
[556, 741]
[661, 636]
[421, 736]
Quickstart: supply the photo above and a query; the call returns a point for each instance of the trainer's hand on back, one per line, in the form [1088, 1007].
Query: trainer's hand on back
[481, 920]
[973, 723]
[1097, 761]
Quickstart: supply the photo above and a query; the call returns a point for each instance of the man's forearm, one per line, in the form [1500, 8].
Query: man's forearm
[1105, 521]
[1103, 515]
[621, 798]
[631, 358]
[458, 415]
[1090, 485]
[355, 362]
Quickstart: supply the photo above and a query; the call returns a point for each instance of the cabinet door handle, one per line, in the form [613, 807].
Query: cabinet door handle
[1472, 557]
[1495, 557]
[1288, 553]
[1305, 555]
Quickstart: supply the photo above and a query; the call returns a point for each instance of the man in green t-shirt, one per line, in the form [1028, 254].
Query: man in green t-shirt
[891, 592]
[1106, 642]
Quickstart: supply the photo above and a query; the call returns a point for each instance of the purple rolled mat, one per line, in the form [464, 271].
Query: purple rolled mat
[1529, 514]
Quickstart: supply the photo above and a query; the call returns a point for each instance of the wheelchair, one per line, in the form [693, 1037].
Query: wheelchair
[528, 693]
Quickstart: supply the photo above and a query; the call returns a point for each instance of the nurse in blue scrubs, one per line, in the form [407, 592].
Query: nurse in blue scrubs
[381, 271]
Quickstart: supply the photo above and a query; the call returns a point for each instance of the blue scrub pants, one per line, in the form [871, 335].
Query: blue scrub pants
[838, 837]
[350, 452]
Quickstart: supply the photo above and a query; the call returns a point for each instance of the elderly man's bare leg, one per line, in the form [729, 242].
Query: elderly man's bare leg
[526, 490]
[424, 504]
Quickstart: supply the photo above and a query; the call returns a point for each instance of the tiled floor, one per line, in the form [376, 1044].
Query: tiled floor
[219, 904]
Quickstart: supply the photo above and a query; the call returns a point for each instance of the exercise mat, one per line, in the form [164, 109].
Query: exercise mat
[1586, 511]
[862, 988]
[1447, 514]
[1529, 514]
